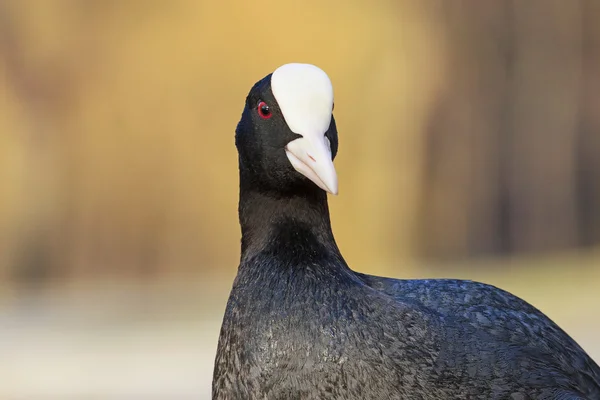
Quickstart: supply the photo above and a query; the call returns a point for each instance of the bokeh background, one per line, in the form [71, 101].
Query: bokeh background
[469, 147]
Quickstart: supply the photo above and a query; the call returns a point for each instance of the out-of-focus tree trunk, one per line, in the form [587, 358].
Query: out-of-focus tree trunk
[460, 200]
[32, 251]
[588, 183]
[541, 160]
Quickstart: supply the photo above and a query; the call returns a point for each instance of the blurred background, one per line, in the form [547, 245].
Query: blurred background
[469, 147]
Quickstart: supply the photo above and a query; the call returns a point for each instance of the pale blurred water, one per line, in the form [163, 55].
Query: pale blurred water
[109, 342]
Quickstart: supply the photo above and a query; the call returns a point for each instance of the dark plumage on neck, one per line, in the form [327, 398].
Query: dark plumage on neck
[288, 219]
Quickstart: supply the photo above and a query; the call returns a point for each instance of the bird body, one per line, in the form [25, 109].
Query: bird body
[300, 324]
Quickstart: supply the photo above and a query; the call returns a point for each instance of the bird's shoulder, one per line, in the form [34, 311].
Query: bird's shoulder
[490, 310]
[448, 295]
[485, 322]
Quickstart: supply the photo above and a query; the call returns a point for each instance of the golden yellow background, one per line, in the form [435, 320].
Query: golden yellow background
[119, 237]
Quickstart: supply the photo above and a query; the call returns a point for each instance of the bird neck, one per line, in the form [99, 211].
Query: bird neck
[296, 221]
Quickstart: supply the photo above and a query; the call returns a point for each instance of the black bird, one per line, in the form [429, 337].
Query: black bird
[300, 324]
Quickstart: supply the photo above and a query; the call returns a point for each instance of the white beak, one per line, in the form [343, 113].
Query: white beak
[311, 156]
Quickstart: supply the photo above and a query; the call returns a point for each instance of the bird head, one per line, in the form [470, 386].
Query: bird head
[287, 135]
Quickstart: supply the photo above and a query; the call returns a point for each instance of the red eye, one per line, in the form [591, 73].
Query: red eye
[263, 110]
